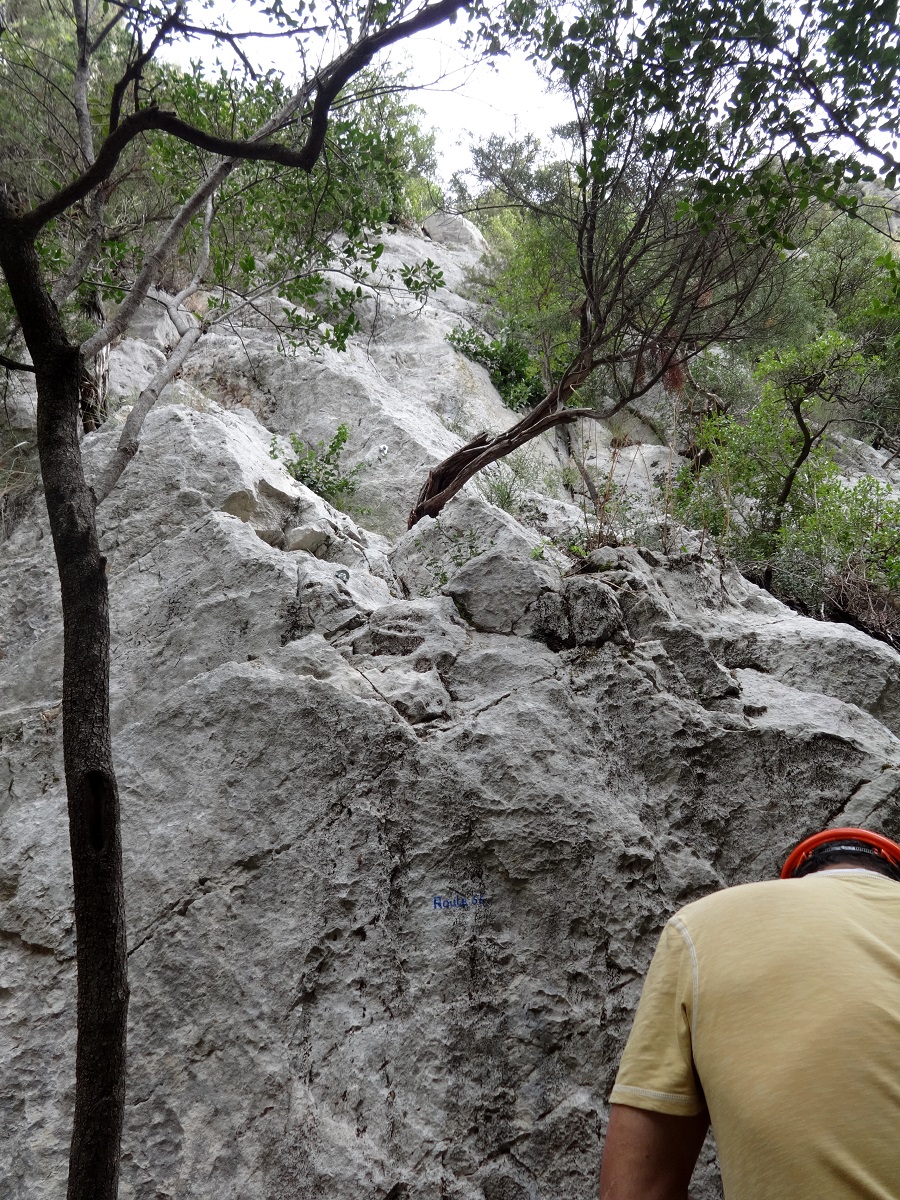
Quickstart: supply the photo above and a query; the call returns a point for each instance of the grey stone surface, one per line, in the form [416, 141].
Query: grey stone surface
[152, 324]
[317, 750]
[132, 365]
[407, 397]
[583, 612]
[453, 230]
[500, 593]
[19, 402]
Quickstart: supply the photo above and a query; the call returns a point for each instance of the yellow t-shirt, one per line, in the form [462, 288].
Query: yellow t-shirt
[779, 1004]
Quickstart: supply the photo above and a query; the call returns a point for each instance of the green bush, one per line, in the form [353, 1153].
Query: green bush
[319, 466]
[856, 526]
[834, 549]
[508, 363]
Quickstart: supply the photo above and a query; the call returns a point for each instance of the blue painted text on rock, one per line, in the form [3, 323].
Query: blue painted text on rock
[458, 902]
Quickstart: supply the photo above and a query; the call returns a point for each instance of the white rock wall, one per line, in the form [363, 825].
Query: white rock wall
[401, 821]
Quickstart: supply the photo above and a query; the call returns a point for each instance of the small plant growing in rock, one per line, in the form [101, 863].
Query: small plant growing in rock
[508, 363]
[319, 467]
[506, 483]
[448, 550]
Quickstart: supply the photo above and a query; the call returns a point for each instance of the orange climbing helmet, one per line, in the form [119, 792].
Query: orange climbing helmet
[814, 851]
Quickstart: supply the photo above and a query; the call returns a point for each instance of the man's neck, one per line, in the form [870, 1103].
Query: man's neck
[850, 871]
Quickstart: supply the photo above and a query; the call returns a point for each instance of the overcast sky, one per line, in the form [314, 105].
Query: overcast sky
[474, 101]
[462, 100]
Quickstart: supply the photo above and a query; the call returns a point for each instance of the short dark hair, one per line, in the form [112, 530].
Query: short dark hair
[840, 854]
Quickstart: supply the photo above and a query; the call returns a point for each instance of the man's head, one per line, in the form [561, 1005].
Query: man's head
[844, 847]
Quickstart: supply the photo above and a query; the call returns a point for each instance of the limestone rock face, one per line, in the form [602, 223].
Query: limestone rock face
[132, 365]
[152, 325]
[407, 397]
[20, 403]
[453, 230]
[402, 821]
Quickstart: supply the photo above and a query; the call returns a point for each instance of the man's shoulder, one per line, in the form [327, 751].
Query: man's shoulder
[780, 900]
[741, 897]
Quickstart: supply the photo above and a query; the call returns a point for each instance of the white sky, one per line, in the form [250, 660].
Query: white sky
[471, 101]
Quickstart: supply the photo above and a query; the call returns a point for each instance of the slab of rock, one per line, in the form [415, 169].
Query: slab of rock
[500, 593]
[429, 632]
[312, 537]
[132, 365]
[417, 695]
[454, 230]
[407, 397]
[433, 552]
[583, 612]
[307, 1016]
[153, 325]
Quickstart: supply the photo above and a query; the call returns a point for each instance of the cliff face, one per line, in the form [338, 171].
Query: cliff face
[403, 816]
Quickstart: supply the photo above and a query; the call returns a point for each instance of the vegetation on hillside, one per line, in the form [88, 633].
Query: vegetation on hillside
[811, 358]
[699, 137]
[744, 277]
[765, 480]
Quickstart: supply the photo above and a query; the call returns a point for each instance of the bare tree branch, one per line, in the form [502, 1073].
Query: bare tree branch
[106, 30]
[70, 280]
[11, 365]
[156, 261]
[135, 67]
[129, 439]
[227, 35]
[81, 81]
[203, 261]
[326, 85]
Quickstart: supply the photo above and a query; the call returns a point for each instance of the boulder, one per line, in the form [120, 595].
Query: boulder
[583, 612]
[434, 551]
[132, 365]
[19, 405]
[418, 696]
[499, 593]
[153, 325]
[453, 230]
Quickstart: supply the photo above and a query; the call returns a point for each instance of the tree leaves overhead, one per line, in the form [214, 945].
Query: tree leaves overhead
[272, 224]
[817, 81]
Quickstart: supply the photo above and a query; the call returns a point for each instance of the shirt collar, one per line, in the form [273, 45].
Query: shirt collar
[851, 871]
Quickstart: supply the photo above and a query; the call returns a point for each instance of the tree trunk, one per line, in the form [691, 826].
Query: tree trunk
[93, 801]
[808, 440]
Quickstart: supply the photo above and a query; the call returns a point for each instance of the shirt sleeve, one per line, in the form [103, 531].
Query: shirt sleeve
[657, 1068]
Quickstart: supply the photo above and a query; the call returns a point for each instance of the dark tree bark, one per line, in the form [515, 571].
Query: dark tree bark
[807, 440]
[94, 830]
